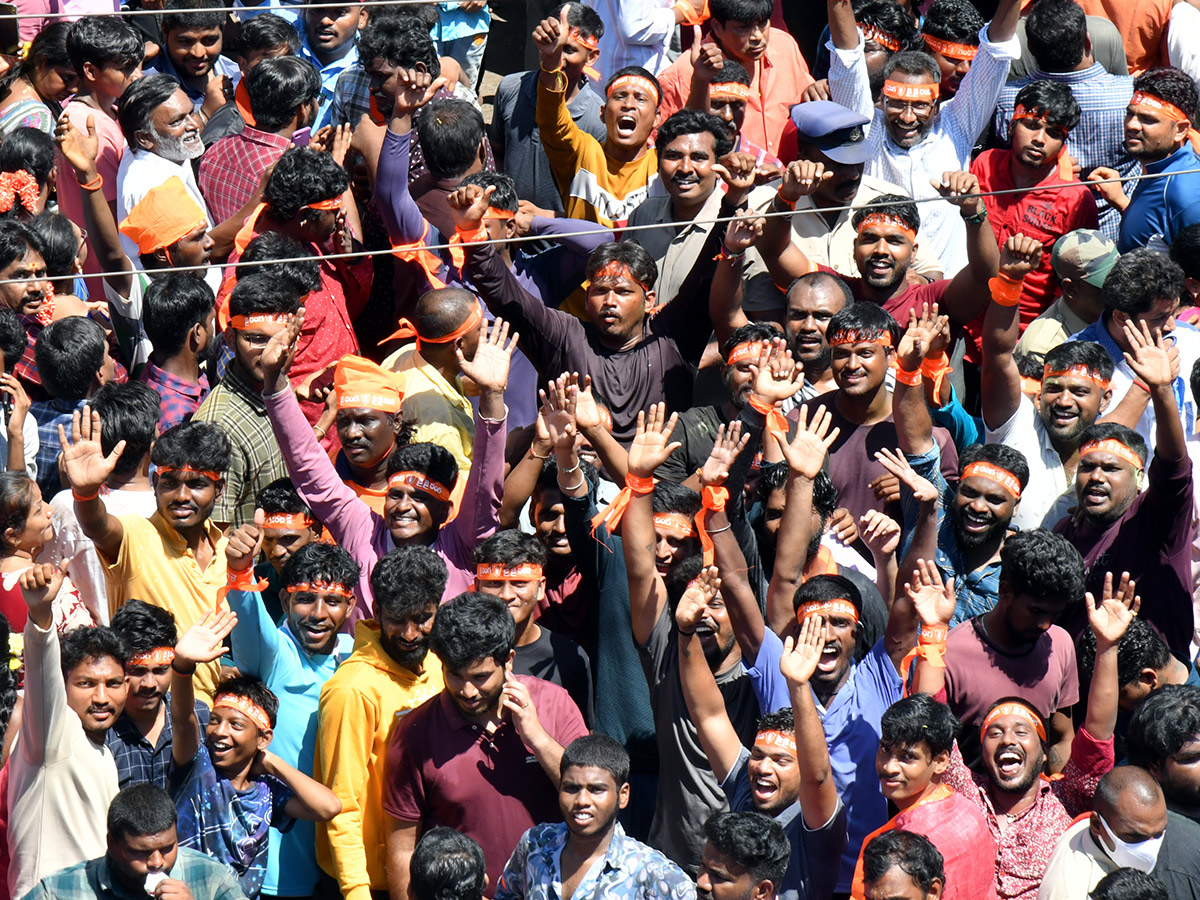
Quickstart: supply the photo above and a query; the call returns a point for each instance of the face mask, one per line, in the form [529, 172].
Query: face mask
[1141, 856]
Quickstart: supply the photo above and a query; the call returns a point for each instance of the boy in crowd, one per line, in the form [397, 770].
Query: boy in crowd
[288, 526]
[745, 856]
[191, 53]
[179, 316]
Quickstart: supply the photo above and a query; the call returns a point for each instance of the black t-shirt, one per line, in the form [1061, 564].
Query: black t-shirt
[560, 660]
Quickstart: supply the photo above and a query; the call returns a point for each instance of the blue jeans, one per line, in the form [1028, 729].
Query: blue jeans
[467, 51]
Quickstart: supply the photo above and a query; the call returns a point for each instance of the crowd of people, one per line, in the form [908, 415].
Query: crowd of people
[394, 497]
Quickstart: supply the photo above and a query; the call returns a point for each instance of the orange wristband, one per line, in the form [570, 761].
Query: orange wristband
[1005, 291]
[912, 379]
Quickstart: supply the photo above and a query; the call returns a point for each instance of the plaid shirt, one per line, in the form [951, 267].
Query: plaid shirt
[136, 759]
[49, 415]
[26, 368]
[238, 409]
[180, 398]
[205, 878]
[232, 168]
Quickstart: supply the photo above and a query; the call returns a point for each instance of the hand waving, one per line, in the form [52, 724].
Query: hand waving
[693, 605]
[488, 368]
[895, 462]
[1154, 359]
[650, 447]
[802, 653]
[934, 601]
[806, 453]
[83, 459]
[202, 643]
[729, 443]
[1110, 618]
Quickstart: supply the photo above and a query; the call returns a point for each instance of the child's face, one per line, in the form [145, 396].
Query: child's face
[233, 740]
[906, 770]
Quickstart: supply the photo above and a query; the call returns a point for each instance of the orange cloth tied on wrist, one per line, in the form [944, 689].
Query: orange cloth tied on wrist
[498, 572]
[776, 423]
[1076, 371]
[18, 185]
[1116, 448]
[246, 707]
[826, 608]
[1168, 109]
[418, 252]
[886, 220]
[360, 383]
[1014, 709]
[165, 215]
[240, 580]
[636, 81]
[778, 739]
[296, 521]
[951, 49]
[159, 656]
[926, 92]
[993, 472]
[408, 330]
[418, 481]
[931, 646]
[611, 514]
[322, 587]
[711, 498]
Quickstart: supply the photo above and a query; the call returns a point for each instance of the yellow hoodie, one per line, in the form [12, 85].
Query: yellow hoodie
[360, 705]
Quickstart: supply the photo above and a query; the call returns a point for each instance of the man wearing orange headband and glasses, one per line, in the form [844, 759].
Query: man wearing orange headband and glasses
[914, 142]
[1159, 134]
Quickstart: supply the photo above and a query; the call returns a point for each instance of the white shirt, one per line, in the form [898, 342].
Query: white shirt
[636, 33]
[1025, 431]
[33, 442]
[947, 147]
[1075, 867]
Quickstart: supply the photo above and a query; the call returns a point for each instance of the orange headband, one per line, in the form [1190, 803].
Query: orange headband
[885, 219]
[730, 89]
[159, 656]
[826, 608]
[744, 351]
[1116, 448]
[676, 524]
[207, 473]
[1014, 709]
[1038, 115]
[497, 572]
[407, 329]
[298, 521]
[326, 205]
[952, 49]
[246, 707]
[854, 336]
[495, 212]
[902, 90]
[879, 36]
[325, 587]
[577, 37]
[993, 472]
[635, 81]
[616, 269]
[772, 738]
[418, 481]
[389, 403]
[1158, 104]
[239, 323]
[1075, 371]
[1030, 386]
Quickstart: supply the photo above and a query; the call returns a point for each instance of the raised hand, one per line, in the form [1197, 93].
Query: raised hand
[80, 149]
[738, 171]
[693, 605]
[83, 459]
[1019, 256]
[962, 189]
[650, 447]
[776, 375]
[1153, 359]
[277, 356]
[895, 462]
[202, 643]
[707, 59]
[881, 533]
[801, 178]
[11, 385]
[729, 444]
[244, 543]
[414, 89]
[488, 368]
[558, 414]
[802, 653]
[934, 601]
[918, 337]
[1110, 618]
[40, 584]
[468, 205]
[806, 452]
[743, 233]
[550, 37]
[587, 411]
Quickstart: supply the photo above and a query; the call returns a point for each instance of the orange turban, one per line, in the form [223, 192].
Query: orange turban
[358, 382]
[166, 214]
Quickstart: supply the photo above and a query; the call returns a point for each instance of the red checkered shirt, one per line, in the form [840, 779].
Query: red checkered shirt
[231, 169]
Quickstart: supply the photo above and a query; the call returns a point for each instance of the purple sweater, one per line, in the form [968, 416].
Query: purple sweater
[363, 532]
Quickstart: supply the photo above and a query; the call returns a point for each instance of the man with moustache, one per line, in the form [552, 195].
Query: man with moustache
[812, 301]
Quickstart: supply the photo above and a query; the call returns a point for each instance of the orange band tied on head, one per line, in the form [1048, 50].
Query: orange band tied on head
[827, 608]
[879, 36]
[408, 330]
[1076, 371]
[635, 81]
[207, 473]
[993, 472]
[952, 49]
[1014, 709]
[327, 205]
[676, 524]
[1066, 168]
[855, 336]
[614, 268]
[495, 212]
[888, 221]
[159, 656]
[246, 707]
[297, 521]
[418, 481]
[321, 587]
[1116, 448]
[926, 92]
[497, 572]
[1030, 386]
[241, 323]
[777, 739]
[744, 351]
[729, 90]
[1168, 109]
[611, 514]
[575, 36]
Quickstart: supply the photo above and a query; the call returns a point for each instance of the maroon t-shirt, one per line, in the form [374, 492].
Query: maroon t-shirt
[900, 305]
[444, 769]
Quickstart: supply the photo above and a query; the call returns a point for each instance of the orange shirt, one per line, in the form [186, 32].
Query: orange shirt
[1143, 28]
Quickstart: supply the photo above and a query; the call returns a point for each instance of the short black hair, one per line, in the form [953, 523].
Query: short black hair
[128, 412]
[136, 107]
[1080, 353]
[69, 352]
[1057, 32]
[266, 31]
[1054, 99]
[890, 18]
[201, 445]
[669, 497]
[141, 809]
[600, 751]
[434, 462]
[505, 195]
[281, 496]
[278, 85]
[1162, 724]
[472, 627]
[741, 11]
[263, 291]
[145, 627]
[586, 19]
[407, 581]
[13, 338]
[60, 244]
[184, 14]
[302, 176]
[30, 149]
[1140, 648]
[783, 720]
[16, 239]
[18, 493]
[402, 42]
[914, 854]
[733, 72]
[447, 865]
[1041, 564]
[1102, 431]
[641, 264]
[1139, 279]
[510, 547]
[91, 642]
[891, 204]
[918, 719]
[171, 307]
[1129, 884]
[319, 561]
[1185, 250]
[104, 41]
[913, 62]
[953, 20]
[1000, 455]
[275, 245]
[450, 132]
[256, 691]
[756, 842]
[1171, 84]
[865, 319]
[693, 121]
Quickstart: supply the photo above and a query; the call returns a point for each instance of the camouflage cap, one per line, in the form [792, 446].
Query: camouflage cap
[1084, 255]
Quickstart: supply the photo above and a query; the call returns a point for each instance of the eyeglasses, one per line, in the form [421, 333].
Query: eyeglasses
[919, 108]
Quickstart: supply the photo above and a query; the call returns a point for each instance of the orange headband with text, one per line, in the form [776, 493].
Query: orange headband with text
[1014, 709]
[854, 336]
[322, 587]
[1168, 109]
[207, 473]
[886, 220]
[1116, 448]
[240, 323]
[676, 524]
[993, 472]
[827, 608]
[576, 36]
[497, 572]
[418, 481]
[159, 656]
[779, 739]
[298, 521]
[879, 36]
[246, 707]
[616, 269]
[1075, 371]
[952, 49]
[408, 330]
[903, 90]
[389, 403]
[635, 81]
[744, 351]
[729, 90]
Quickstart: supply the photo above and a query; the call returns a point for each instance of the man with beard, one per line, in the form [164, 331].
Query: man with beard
[746, 855]
[1014, 745]
[787, 775]
[140, 739]
[386, 677]
[1074, 391]
[1145, 533]
[484, 756]
[593, 788]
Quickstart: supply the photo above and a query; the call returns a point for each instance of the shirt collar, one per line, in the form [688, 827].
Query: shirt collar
[267, 138]
[108, 881]
[237, 384]
[174, 539]
[1092, 71]
[175, 383]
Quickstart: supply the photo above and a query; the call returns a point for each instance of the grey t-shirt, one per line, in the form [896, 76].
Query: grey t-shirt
[809, 875]
[515, 130]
